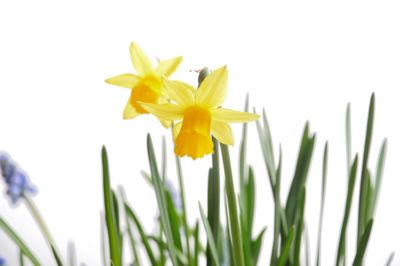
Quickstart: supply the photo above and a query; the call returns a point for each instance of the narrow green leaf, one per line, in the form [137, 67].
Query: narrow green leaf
[197, 244]
[343, 231]
[250, 202]
[277, 214]
[363, 185]
[105, 256]
[174, 220]
[299, 228]
[163, 159]
[321, 211]
[111, 220]
[300, 176]
[232, 208]
[71, 255]
[161, 200]
[132, 241]
[363, 244]
[19, 242]
[213, 204]
[256, 246]
[378, 176]
[243, 147]
[390, 259]
[21, 258]
[57, 258]
[210, 237]
[283, 257]
[131, 214]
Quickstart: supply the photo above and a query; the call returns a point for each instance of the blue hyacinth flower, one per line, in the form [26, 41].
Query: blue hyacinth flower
[2, 262]
[16, 179]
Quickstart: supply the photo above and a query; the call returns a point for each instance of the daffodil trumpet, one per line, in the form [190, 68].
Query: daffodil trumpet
[199, 114]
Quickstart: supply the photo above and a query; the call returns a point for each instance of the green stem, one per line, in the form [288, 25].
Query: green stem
[183, 197]
[233, 211]
[42, 225]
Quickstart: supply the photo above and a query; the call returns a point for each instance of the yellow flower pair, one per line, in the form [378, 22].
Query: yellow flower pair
[198, 111]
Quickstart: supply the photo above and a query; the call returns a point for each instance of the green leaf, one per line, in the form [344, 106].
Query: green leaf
[343, 231]
[243, 146]
[256, 245]
[111, 220]
[210, 237]
[363, 185]
[131, 214]
[363, 244]
[299, 227]
[196, 244]
[213, 204]
[57, 258]
[390, 259]
[174, 220]
[300, 176]
[236, 236]
[277, 214]
[348, 137]
[378, 177]
[286, 248]
[19, 242]
[21, 258]
[321, 211]
[161, 200]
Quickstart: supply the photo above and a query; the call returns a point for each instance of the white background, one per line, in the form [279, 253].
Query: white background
[300, 60]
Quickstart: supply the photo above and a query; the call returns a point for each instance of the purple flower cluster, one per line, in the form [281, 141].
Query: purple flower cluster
[16, 179]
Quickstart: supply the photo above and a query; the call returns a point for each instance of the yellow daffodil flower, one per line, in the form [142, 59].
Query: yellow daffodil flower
[146, 85]
[200, 114]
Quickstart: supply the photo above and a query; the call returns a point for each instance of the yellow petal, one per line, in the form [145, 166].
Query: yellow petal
[129, 111]
[222, 132]
[166, 111]
[176, 129]
[212, 90]
[140, 60]
[232, 116]
[167, 67]
[124, 80]
[165, 123]
[180, 92]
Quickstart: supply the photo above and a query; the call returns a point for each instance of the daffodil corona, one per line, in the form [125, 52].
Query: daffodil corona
[200, 113]
[146, 86]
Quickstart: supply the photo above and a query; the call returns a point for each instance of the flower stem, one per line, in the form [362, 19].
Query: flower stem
[184, 212]
[42, 225]
[237, 244]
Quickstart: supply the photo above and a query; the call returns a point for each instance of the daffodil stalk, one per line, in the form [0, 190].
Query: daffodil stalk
[43, 227]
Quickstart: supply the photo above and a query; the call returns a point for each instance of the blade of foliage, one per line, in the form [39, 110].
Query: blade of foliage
[210, 237]
[213, 204]
[174, 220]
[343, 231]
[363, 185]
[283, 257]
[132, 241]
[300, 176]
[197, 244]
[236, 236]
[321, 212]
[378, 178]
[71, 255]
[161, 200]
[21, 258]
[277, 214]
[363, 244]
[56, 257]
[131, 214]
[390, 259]
[243, 147]
[105, 257]
[256, 246]
[111, 220]
[299, 227]
[19, 242]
